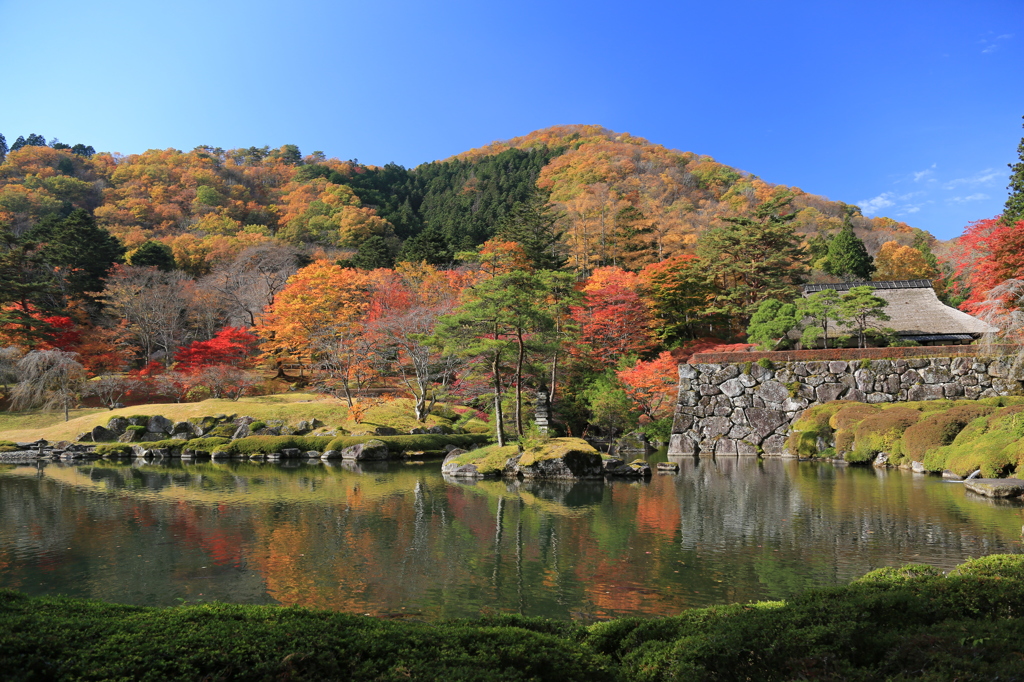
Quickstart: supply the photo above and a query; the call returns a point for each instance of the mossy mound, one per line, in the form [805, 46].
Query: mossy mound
[959, 435]
[488, 461]
[7, 446]
[881, 432]
[812, 434]
[994, 444]
[940, 428]
[892, 624]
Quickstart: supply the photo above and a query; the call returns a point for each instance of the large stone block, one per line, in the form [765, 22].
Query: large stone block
[682, 444]
[687, 372]
[925, 392]
[774, 445]
[714, 427]
[838, 367]
[724, 374]
[865, 379]
[732, 387]
[159, 424]
[828, 392]
[772, 391]
[762, 421]
[936, 375]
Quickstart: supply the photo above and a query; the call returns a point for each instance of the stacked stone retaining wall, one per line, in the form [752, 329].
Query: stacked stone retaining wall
[747, 409]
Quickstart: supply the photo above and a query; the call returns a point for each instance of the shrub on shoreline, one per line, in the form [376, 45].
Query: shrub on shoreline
[893, 623]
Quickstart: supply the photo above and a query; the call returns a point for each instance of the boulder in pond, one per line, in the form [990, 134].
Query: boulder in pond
[370, 450]
[559, 458]
[996, 487]
[480, 463]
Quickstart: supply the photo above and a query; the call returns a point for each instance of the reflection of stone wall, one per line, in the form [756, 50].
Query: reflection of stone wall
[747, 409]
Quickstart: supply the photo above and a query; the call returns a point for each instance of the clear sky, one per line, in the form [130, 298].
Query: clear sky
[911, 109]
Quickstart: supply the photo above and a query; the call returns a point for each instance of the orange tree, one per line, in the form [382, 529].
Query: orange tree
[316, 317]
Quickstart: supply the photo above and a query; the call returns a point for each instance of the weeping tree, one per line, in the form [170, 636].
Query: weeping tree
[9, 366]
[49, 378]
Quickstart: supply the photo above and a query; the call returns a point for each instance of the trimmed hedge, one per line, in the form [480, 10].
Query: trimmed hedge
[265, 445]
[852, 354]
[894, 623]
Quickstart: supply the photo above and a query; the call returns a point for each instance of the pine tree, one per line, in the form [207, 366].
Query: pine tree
[752, 259]
[79, 250]
[847, 257]
[533, 225]
[1013, 211]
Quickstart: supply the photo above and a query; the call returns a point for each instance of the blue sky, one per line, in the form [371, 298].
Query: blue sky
[910, 108]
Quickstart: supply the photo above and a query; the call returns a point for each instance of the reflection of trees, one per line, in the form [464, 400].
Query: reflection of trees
[406, 540]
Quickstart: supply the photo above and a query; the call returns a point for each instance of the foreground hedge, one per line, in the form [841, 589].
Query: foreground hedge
[909, 623]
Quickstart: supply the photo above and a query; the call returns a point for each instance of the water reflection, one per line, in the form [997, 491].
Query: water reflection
[396, 539]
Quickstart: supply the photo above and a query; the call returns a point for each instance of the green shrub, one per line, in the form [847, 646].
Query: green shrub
[113, 449]
[136, 429]
[265, 445]
[766, 363]
[414, 442]
[205, 445]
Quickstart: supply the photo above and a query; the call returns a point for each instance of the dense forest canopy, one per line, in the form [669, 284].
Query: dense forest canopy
[629, 249]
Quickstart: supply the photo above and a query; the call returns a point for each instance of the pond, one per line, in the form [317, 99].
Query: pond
[399, 540]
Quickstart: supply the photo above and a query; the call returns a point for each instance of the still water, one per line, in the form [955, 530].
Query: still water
[400, 540]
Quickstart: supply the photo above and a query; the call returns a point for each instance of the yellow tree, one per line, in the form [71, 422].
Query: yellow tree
[895, 262]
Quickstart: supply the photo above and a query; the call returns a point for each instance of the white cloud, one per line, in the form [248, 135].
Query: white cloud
[912, 209]
[978, 196]
[981, 178]
[918, 176]
[992, 45]
[872, 206]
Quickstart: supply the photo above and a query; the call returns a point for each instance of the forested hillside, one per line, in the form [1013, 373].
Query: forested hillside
[619, 250]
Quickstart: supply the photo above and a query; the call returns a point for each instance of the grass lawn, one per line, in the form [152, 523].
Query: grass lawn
[292, 407]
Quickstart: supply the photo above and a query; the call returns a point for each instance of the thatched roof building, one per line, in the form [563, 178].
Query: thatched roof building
[917, 314]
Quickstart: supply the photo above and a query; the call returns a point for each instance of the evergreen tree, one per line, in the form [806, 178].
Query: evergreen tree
[532, 225]
[153, 253]
[373, 253]
[771, 323]
[429, 245]
[78, 250]
[26, 286]
[3, 148]
[1013, 211]
[847, 256]
[752, 259]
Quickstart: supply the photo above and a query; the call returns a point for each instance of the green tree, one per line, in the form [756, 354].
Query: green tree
[78, 251]
[152, 253]
[3, 148]
[750, 260]
[847, 256]
[860, 308]
[821, 308]
[27, 286]
[532, 224]
[503, 320]
[771, 322]
[1013, 210]
[610, 407]
[373, 253]
[429, 245]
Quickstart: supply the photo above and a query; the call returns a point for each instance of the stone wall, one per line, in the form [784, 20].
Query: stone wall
[747, 409]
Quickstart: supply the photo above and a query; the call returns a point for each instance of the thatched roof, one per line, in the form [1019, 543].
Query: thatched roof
[915, 310]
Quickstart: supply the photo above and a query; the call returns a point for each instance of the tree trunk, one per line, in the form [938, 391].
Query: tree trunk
[519, 383]
[499, 421]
